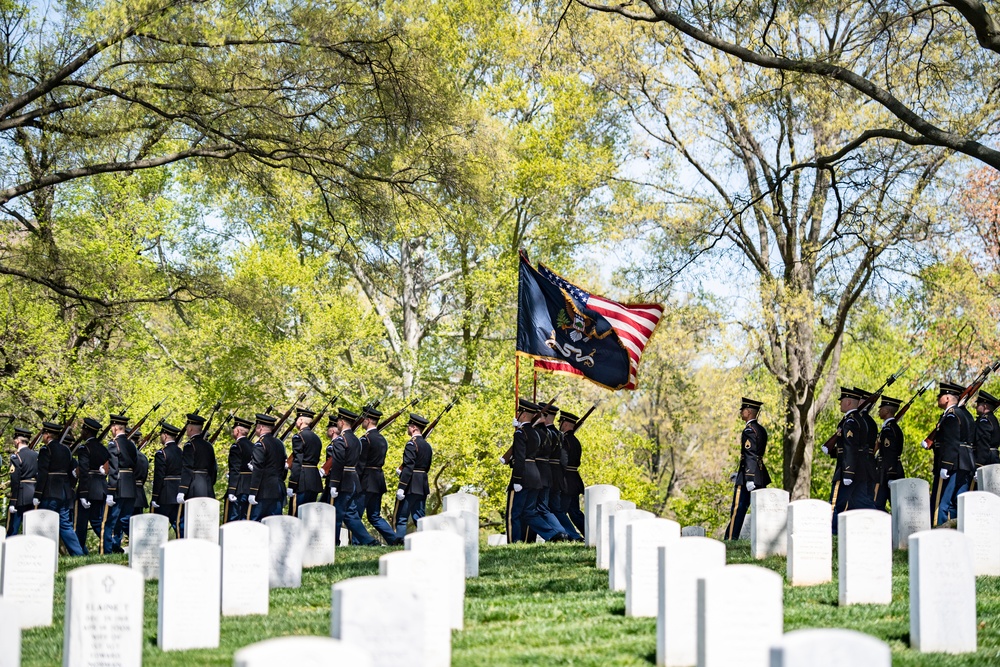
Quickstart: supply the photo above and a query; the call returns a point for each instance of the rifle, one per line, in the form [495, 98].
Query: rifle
[430, 427]
[920, 392]
[582, 419]
[357, 422]
[138, 424]
[215, 436]
[208, 422]
[281, 420]
[69, 423]
[149, 436]
[969, 392]
[385, 423]
[867, 403]
[38, 436]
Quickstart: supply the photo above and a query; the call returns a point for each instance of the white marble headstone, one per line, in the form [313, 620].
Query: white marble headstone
[979, 518]
[103, 622]
[461, 502]
[27, 578]
[603, 538]
[830, 647]
[592, 497]
[468, 506]
[10, 633]
[190, 595]
[381, 613]
[727, 634]
[680, 565]
[319, 521]
[465, 525]
[619, 522]
[246, 568]
[810, 543]
[864, 557]
[911, 509]
[449, 549]
[287, 546]
[942, 592]
[693, 531]
[988, 478]
[643, 539]
[302, 652]
[201, 519]
[768, 522]
[146, 534]
[496, 540]
[44, 523]
[425, 573]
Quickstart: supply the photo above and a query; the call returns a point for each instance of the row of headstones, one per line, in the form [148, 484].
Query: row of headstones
[664, 574]
[252, 558]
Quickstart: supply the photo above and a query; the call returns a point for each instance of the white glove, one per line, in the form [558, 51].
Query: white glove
[732, 477]
[334, 493]
[826, 450]
[250, 466]
[751, 486]
[503, 461]
[322, 473]
[516, 423]
[287, 467]
[289, 492]
[252, 500]
[74, 473]
[85, 503]
[155, 505]
[36, 502]
[180, 498]
[400, 494]
[848, 482]
[232, 498]
[518, 488]
[109, 501]
[13, 510]
[944, 474]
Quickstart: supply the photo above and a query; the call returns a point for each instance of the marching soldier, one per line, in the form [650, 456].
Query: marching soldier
[141, 476]
[54, 488]
[413, 484]
[200, 469]
[329, 470]
[346, 451]
[373, 449]
[240, 456]
[849, 444]
[23, 476]
[267, 479]
[889, 448]
[751, 473]
[573, 452]
[305, 484]
[167, 469]
[557, 466]
[121, 480]
[866, 499]
[987, 430]
[954, 461]
[93, 500]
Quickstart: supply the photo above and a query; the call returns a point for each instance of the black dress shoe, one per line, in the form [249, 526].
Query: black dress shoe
[117, 550]
[560, 537]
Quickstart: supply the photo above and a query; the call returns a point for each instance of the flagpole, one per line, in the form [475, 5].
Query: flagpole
[534, 388]
[517, 380]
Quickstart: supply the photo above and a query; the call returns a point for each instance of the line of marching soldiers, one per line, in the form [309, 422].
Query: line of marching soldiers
[98, 486]
[868, 454]
[543, 497]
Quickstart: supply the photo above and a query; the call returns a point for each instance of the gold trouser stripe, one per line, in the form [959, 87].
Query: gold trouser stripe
[180, 512]
[76, 514]
[225, 509]
[737, 494]
[249, 508]
[937, 502]
[395, 514]
[100, 537]
[293, 507]
[510, 520]
[877, 485]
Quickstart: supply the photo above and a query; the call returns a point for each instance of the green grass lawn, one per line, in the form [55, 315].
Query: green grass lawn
[537, 604]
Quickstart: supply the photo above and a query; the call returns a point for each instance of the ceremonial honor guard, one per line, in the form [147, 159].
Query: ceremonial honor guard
[305, 484]
[889, 449]
[93, 500]
[346, 450]
[167, 468]
[141, 476]
[987, 430]
[572, 453]
[557, 465]
[954, 461]
[121, 480]
[330, 470]
[373, 449]
[866, 499]
[267, 480]
[847, 450]
[240, 456]
[23, 476]
[54, 486]
[751, 473]
[200, 469]
[413, 484]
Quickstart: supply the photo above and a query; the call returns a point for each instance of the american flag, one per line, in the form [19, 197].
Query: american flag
[633, 323]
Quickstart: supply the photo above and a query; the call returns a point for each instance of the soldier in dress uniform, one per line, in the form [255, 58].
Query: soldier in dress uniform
[54, 487]
[305, 484]
[240, 456]
[167, 468]
[413, 483]
[93, 503]
[267, 479]
[121, 479]
[200, 469]
[850, 442]
[889, 448]
[987, 430]
[141, 475]
[571, 454]
[557, 466]
[346, 451]
[327, 471]
[373, 449]
[23, 476]
[866, 499]
[954, 461]
[751, 473]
